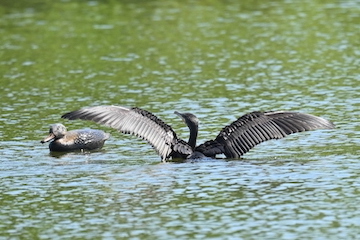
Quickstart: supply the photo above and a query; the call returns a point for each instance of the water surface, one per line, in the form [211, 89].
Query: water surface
[216, 59]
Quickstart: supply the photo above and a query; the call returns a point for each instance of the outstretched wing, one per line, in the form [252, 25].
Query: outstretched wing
[253, 128]
[137, 122]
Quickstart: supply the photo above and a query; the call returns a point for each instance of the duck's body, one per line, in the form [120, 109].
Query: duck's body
[233, 140]
[80, 139]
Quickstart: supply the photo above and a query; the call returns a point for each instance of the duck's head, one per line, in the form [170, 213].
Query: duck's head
[56, 131]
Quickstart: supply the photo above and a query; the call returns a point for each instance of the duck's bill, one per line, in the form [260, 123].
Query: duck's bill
[48, 138]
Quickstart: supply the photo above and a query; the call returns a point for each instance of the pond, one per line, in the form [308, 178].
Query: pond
[218, 59]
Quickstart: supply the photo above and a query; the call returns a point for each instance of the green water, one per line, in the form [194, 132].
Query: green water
[216, 59]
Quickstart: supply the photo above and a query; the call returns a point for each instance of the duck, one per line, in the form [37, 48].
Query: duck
[74, 140]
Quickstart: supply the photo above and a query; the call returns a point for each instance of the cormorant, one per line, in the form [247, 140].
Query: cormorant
[233, 140]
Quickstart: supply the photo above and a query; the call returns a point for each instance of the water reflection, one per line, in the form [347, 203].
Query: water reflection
[73, 153]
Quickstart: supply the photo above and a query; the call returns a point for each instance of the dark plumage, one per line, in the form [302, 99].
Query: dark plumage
[234, 140]
[81, 139]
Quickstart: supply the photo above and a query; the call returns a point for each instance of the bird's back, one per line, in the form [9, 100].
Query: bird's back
[82, 139]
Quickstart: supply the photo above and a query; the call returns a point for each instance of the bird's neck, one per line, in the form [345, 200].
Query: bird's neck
[193, 135]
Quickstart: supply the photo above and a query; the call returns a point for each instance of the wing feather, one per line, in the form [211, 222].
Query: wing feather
[254, 128]
[133, 121]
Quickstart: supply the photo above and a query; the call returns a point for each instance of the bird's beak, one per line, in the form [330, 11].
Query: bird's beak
[180, 115]
[48, 138]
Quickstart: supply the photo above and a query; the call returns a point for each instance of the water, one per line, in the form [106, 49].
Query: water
[218, 60]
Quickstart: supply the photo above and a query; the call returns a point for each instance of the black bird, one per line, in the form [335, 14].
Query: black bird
[233, 140]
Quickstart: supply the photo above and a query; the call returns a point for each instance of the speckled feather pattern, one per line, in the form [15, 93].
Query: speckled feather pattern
[82, 139]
